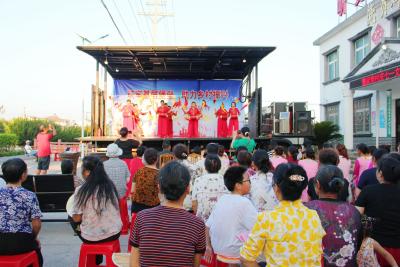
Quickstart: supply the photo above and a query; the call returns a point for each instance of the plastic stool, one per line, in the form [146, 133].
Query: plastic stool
[88, 253]
[123, 211]
[133, 219]
[20, 260]
[213, 262]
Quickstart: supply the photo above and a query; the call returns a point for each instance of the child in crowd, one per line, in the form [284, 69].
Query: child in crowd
[232, 217]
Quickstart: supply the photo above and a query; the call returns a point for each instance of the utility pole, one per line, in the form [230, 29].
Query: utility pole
[156, 15]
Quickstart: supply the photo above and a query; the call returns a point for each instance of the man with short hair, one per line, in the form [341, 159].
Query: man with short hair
[43, 148]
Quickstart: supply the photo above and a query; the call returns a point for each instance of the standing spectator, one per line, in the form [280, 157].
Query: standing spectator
[244, 140]
[344, 161]
[224, 159]
[381, 202]
[116, 169]
[362, 163]
[341, 220]
[368, 177]
[292, 154]
[290, 234]
[126, 144]
[310, 165]
[145, 184]
[28, 149]
[136, 164]
[67, 167]
[208, 188]
[166, 147]
[168, 235]
[261, 194]
[43, 145]
[19, 212]
[232, 217]
[278, 157]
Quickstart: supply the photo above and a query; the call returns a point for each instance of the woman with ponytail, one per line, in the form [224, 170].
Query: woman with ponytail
[381, 202]
[261, 193]
[341, 221]
[96, 207]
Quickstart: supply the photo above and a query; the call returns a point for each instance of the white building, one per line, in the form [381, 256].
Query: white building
[360, 75]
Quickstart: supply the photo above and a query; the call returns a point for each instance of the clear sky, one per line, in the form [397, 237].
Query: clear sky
[42, 72]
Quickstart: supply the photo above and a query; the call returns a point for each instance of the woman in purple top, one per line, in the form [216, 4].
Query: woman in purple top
[341, 221]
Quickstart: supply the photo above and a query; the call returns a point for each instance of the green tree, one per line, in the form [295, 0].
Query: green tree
[25, 129]
[324, 132]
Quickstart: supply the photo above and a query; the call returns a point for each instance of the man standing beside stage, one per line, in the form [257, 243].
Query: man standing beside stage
[234, 118]
[162, 112]
[193, 115]
[222, 115]
[43, 148]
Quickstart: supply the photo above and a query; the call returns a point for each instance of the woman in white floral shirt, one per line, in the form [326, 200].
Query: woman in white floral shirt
[262, 194]
[208, 188]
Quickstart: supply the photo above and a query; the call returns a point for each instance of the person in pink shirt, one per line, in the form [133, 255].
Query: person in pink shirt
[362, 163]
[43, 148]
[344, 161]
[135, 165]
[310, 165]
[278, 157]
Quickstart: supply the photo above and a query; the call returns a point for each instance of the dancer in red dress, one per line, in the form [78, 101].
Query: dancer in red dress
[193, 115]
[128, 116]
[234, 118]
[171, 114]
[222, 115]
[162, 111]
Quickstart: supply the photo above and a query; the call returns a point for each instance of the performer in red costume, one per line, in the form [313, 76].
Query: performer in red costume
[170, 113]
[222, 115]
[128, 116]
[193, 115]
[162, 111]
[234, 118]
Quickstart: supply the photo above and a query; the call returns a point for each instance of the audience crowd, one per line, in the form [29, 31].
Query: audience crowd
[286, 206]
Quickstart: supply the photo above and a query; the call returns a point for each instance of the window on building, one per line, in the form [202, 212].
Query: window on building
[333, 65]
[398, 27]
[361, 48]
[332, 113]
[362, 115]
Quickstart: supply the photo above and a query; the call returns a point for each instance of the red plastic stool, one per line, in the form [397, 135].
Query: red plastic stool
[88, 253]
[123, 211]
[133, 219]
[213, 262]
[20, 260]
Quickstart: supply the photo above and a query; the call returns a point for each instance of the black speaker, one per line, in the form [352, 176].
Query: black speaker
[303, 123]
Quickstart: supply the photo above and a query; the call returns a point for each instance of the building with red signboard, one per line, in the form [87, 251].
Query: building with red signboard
[360, 75]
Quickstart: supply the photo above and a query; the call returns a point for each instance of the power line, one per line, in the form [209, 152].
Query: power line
[123, 21]
[113, 21]
[137, 21]
[147, 22]
[173, 20]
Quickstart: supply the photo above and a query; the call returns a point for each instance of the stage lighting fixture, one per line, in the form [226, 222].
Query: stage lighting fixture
[384, 47]
[116, 70]
[244, 60]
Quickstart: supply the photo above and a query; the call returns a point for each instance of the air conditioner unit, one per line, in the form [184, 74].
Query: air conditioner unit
[284, 122]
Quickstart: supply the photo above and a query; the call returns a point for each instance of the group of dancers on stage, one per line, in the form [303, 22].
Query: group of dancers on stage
[131, 119]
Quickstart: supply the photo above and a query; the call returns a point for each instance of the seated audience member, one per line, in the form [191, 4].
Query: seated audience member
[181, 154]
[96, 209]
[19, 212]
[224, 159]
[67, 167]
[208, 188]
[145, 183]
[310, 165]
[362, 163]
[168, 235]
[244, 160]
[329, 156]
[166, 147]
[261, 194]
[344, 161]
[116, 169]
[366, 256]
[126, 144]
[290, 234]
[341, 220]
[232, 217]
[29, 150]
[234, 162]
[368, 177]
[381, 202]
[136, 164]
[278, 157]
[293, 152]
[211, 148]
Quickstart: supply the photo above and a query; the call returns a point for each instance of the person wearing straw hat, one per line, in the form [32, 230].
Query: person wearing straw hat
[116, 169]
